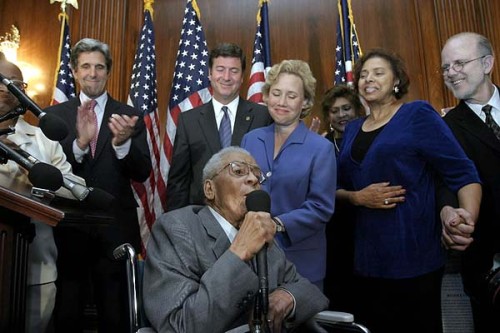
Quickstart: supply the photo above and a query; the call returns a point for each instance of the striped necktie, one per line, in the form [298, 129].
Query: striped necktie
[225, 129]
[490, 122]
[93, 142]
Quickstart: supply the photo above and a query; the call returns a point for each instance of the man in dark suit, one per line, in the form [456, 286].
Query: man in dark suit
[467, 62]
[197, 137]
[199, 274]
[107, 147]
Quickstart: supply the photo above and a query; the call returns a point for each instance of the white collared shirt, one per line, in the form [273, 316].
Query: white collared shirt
[495, 110]
[228, 228]
[99, 107]
[233, 107]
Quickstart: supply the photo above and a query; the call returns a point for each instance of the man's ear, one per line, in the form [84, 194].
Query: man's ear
[488, 62]
[208, 189]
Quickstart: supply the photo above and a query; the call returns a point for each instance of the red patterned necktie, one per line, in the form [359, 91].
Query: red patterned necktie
[93, 142]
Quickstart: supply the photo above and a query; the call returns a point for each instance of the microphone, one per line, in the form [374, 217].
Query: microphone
[95, 197]
[40, 174]
[259, 201]
[18, 110]
[52, 126]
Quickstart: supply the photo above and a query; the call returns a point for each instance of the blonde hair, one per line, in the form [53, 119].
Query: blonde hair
[303, 71]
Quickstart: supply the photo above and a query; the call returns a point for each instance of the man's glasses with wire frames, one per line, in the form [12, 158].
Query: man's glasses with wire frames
[18, 83]
[241, 169]
[458, 65]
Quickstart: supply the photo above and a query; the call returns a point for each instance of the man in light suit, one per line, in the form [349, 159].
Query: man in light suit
[42, 255]
[199, 274]
[107, 147]
[467, 62]
[197, 136]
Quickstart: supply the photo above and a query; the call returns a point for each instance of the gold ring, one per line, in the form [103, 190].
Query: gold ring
[122, 133]
[386, 201]
[269, 320]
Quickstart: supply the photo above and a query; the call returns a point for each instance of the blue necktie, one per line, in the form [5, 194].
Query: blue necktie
[225, 129]
[490, 122]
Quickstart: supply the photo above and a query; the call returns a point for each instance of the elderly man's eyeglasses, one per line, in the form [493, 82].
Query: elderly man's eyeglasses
[458, 65]
[18, 83]
[241, 169]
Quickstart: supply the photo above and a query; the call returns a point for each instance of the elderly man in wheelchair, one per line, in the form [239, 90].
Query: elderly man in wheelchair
[201, 271]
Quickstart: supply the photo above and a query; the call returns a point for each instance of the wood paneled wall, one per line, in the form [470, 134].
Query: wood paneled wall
[303, 29]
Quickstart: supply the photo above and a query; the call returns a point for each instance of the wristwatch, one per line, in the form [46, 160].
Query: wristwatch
[280, 227]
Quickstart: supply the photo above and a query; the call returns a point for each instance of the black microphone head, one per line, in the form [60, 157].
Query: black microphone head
[45, 176]
[258, 201]
[99, 199]
[53, 127]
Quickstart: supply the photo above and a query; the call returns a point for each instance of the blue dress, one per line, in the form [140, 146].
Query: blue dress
[414, 148]
[302, 183]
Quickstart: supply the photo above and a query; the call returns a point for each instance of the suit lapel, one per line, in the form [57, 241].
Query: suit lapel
[208, 126]
[471, 123]
[214, 230]
[243, 120]
[105, 134]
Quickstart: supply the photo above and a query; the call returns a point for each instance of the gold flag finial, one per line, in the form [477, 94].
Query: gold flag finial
[148, 5]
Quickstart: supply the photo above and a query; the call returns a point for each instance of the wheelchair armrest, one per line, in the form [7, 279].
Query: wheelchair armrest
[334, 317]
[343, 320]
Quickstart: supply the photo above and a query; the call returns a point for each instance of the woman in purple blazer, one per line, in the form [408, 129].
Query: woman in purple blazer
[299, 165]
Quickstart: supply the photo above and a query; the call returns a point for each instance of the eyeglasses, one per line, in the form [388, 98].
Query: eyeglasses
[459, 65]
[240, 169]
[18, 83]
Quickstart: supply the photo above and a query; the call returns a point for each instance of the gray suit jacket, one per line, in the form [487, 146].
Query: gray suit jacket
[192, 283]
[196, 140]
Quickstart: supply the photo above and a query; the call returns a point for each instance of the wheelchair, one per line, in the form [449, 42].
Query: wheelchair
[323, 322]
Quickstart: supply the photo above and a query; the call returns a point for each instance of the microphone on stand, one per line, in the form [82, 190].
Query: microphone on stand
[51, 125]
[95, 197]
[259, 201]
[40, 174]
[18, 110]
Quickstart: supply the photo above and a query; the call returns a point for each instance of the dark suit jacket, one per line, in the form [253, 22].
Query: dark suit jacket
[483, 148]
[193, 283]
[196, 140]
[105, 171]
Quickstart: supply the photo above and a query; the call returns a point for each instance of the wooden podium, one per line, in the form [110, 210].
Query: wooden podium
[17, 209]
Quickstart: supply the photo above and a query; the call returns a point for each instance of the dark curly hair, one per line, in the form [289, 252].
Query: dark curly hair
[339, 91]
[397, 65]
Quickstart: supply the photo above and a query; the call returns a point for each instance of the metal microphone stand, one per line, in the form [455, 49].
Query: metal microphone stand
[260, 324]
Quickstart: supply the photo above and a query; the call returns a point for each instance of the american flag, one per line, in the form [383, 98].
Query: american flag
[348, 49]
[190, 86]
[143, 96]
[64, 81]
[261, 61]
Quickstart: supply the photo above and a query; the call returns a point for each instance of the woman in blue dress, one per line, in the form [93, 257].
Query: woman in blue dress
[398, 253]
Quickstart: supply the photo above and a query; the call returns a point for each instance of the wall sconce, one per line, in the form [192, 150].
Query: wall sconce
[10, 43]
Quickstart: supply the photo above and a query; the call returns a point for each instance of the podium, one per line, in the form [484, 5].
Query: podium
[17, 209]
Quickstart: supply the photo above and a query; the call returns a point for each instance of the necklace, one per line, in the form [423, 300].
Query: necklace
[336, 145]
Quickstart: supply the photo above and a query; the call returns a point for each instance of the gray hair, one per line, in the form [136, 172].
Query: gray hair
[483, 44]
[217, 161]
[90, 45]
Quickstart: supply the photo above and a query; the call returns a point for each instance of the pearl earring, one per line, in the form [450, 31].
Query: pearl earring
[396, 89]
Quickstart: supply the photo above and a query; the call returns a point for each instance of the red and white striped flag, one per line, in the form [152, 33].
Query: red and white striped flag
[190, 86]
[261, 61]
[143, 96]
[64, 86]
[347, 50]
